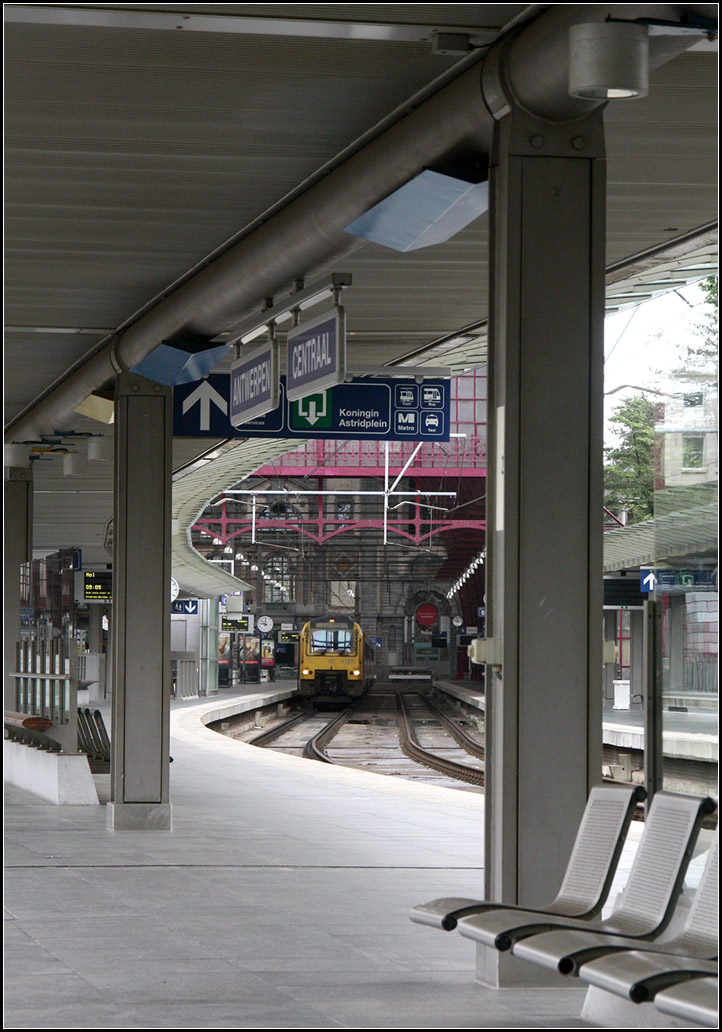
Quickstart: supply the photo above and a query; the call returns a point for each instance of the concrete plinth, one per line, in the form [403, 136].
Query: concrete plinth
[504, 971]
[140, 817]
[58, 777]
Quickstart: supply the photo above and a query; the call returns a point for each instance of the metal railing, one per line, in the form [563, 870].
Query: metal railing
[184, 675]
[44, 680]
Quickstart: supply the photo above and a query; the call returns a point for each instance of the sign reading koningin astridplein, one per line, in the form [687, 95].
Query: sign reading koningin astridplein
[254, 384]
[376, 409]
[316, 353]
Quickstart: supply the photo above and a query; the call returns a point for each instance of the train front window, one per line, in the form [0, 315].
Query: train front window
[330, 641]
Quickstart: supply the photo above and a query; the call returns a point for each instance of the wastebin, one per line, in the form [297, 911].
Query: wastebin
[621, 695]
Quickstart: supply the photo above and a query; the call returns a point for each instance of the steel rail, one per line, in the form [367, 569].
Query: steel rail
[266, 737]
[314, 749]
[464, 739]
[411, 747]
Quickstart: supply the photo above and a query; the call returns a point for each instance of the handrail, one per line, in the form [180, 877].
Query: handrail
[27, 721]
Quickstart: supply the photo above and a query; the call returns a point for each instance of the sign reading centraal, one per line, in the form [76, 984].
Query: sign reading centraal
[316, 354]
[254, 384]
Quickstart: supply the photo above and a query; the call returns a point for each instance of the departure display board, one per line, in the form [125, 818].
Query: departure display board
[97, 585]
[240, 622]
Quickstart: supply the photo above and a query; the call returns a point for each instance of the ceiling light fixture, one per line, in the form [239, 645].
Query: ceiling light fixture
[608, 60]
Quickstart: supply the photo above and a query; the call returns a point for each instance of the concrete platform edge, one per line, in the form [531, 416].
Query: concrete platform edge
[189, 723]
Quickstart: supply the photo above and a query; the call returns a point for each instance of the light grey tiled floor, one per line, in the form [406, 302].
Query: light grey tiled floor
[278, 901]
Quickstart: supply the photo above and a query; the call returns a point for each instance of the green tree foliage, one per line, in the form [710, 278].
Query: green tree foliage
[629, 464]
[711, 289]
[705, 354]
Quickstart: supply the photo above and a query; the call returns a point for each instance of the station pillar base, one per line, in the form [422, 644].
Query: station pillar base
[504, 971]
[140, 817]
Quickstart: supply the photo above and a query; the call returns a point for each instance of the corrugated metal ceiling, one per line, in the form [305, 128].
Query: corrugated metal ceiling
[131, 153]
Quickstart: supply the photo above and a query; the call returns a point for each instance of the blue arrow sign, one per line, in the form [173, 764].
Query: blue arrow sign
[185, 606]
[674, 581]
[376, 409]
[647, 580]
[203, 396]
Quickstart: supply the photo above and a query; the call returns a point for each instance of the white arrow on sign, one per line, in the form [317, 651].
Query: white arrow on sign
[205, 394]
[311, 416]
[651, 580]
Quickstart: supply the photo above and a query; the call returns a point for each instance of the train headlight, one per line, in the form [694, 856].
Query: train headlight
[305, 672]
[356, 673]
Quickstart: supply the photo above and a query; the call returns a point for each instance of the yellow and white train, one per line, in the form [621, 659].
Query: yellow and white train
[334, 658]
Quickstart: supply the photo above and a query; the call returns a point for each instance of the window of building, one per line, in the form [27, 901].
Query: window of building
[692, 451]
[278, 579]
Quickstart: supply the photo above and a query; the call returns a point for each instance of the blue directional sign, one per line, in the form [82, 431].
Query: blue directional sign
[203, 404]
[185, 606]
[254, 384]
[374, 409]
[680, 580]
[647, 581]
[316, 354]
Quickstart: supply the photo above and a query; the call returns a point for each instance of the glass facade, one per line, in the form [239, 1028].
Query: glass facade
[661, 545]
[685, 520]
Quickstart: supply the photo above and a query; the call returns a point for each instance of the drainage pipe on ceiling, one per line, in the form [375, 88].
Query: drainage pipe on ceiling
[454, 126]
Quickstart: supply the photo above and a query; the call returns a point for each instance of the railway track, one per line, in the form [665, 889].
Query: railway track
[388, 727]
[267, 737]
[412, 748]
[396, 714]
[315, 747]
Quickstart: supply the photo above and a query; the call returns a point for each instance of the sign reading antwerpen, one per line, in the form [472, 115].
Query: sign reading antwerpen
[254, 384]
[316, 355]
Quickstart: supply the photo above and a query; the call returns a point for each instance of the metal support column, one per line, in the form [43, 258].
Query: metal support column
[636, 658]
[95, 629]
[141, 606]
[544, 538]
[18, 549]
[652, 679]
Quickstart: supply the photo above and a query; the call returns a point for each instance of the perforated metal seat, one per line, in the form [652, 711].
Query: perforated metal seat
[639, 975]
[654, 884]
[589, 873]
[569, 951]
[696, 1000]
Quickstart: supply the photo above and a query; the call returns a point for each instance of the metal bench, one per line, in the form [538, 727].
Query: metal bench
[654, 884]
[93, 740]
[696, 1000]
[575, 952]
[589, 873]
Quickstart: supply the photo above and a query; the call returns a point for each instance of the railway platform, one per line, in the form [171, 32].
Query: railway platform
[687, 735]
[280, 899]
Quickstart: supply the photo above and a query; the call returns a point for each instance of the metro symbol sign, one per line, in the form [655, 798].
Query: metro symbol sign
[316, 354]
